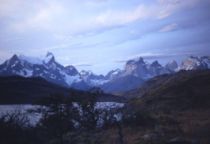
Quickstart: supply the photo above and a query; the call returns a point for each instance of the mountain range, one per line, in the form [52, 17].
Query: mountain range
[134, 74]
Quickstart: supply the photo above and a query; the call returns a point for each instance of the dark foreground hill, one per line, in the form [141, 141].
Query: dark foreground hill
[16, 89]
[183, 90]
[176, 109]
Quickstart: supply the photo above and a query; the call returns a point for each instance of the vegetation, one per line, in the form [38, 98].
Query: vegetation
[170, 109]
[63, 121]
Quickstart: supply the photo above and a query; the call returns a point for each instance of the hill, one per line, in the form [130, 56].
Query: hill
[182, 90]
[173, 108]
[17, 89]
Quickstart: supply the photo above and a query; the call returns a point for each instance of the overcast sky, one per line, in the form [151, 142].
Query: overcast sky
[100, 35]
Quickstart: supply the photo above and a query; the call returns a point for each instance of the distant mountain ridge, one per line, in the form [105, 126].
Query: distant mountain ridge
[135, 72]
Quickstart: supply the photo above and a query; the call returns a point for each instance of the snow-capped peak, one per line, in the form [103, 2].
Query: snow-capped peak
[114, 73]
[31, 60]
[71, 70]
[14, 59]
[86, 73]
[49, 57]
[136, 61]
[193, 63]
[172, 66]
[206, 59]
[155, 64]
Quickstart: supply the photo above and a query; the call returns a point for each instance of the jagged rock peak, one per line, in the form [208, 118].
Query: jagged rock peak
[172, 66]
[139, 60]
[70, 67]
[14, 57]
[71, 70]
[155, 63]
[193, 63]
[113, 73]
[49, 54]
[172, 62]
[49, 57]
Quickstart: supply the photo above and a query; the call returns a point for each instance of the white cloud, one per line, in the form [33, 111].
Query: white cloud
[9, 7]
[114, 17]
[136, 56]
[56, 17]
[42, 19]
[82, 64]
[168, 7]
[75, 17]
[169, 28]
[4, 54]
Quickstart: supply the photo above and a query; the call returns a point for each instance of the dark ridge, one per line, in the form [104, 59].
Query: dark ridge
[20, 90]
[179, 91]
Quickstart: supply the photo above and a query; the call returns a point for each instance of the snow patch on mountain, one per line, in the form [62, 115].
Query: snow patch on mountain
[195, 63]
[13, 65]
[98, 82]
[93, 79]
[28, 73]
[71, 79]
[31, 60]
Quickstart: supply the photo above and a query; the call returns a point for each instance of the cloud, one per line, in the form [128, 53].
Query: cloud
[57, 17]
[143, 55]
[117, 17]
[152, 56]
[168, 28]
[169, 7]
[82, 65]
[4, 54]
[9, 7]
[76, 17]
[43, 18]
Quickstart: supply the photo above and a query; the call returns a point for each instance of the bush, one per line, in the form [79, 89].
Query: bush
[138, 118]
[15, 129]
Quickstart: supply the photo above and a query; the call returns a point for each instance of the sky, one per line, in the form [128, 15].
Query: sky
[100, 35]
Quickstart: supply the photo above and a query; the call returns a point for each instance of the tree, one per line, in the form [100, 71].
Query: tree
[13, 127]
[58, 117]
[89, 113]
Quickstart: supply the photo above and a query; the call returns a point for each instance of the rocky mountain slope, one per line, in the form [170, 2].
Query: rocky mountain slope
[47, 68]
[196, 63]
